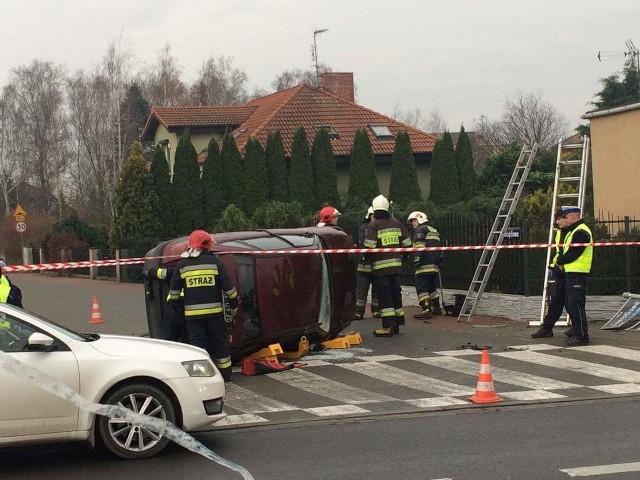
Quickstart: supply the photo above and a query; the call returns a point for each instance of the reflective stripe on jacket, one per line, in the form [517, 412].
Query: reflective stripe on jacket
[426, 262]
[5, 289]
[202, 280]
[387, 233]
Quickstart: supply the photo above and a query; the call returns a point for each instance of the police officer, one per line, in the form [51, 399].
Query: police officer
[570, 266]
[204, 280]
[427, 264]
[365, 274]
[9, 293]
[385, 231]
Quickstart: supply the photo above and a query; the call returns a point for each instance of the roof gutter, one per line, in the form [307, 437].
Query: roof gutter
[611, 111]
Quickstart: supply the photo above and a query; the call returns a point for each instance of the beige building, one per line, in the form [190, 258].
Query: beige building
[615, 153]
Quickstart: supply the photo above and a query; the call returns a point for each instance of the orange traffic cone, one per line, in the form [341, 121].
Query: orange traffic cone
[96, 316]
[485, 392]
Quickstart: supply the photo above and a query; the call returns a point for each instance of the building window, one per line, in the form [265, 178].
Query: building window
[239, 133]
[381, 131]
[332, 133]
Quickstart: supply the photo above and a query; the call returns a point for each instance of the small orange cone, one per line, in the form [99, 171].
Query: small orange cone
[485, 392]
[96, 316]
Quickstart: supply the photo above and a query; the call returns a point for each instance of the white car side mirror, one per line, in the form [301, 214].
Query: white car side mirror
[40, 342]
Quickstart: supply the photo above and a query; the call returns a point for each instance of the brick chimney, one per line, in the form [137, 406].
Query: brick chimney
[339, 84]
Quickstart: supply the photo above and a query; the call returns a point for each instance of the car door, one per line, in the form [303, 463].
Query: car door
[26, 409]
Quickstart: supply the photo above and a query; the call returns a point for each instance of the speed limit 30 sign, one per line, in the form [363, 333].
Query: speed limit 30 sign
[21, 227]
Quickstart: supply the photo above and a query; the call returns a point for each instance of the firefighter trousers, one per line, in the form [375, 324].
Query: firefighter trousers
[210, 333]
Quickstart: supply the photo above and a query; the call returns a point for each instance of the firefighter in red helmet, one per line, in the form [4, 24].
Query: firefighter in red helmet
[204, 281]
[329, 217]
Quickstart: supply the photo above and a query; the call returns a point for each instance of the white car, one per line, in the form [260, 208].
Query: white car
[167, 380]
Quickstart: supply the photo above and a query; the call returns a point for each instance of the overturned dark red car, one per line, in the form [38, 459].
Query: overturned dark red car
[284, 295]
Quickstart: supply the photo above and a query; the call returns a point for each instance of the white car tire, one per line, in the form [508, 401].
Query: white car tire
[130, 441]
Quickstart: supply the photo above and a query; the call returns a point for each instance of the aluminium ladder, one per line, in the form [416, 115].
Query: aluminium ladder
[569, 188]
[498, 230]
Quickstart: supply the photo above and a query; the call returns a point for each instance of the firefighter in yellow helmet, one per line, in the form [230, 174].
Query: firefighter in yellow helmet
[205, 281]
[365, 274]
[427, 264]
[384, 231]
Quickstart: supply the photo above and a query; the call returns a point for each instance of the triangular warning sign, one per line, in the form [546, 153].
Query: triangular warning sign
[19, 210]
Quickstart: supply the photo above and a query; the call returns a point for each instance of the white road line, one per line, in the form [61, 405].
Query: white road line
[318, 385]
[602, 469]
[397, 376]
[336, 410]
[617, 352]
[576, 366]
[248, 401]
[511, 377]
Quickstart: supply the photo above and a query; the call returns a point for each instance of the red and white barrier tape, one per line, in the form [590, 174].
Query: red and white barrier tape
[141, 260]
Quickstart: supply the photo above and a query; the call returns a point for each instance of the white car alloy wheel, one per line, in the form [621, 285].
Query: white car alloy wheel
[132, 441]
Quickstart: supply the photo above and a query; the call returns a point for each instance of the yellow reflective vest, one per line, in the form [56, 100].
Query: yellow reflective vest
[583, 263]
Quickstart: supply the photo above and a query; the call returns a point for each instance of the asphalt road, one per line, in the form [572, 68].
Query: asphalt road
[523, 443]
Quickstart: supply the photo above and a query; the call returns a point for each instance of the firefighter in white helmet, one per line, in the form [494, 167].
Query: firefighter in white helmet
[385, 231]
[427, 264]
[365, 273]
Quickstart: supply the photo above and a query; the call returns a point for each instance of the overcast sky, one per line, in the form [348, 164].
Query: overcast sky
[461, 57]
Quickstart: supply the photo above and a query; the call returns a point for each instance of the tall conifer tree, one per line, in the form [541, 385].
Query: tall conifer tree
[464, 166]
[276, 168]
[134, 196]
[403, 185]
[300, 186]
[213, 186]
[232, 172]
[187, 189]
[444, 178]
[363, 182]
[162, 202]
[254, 176]
[324, 170]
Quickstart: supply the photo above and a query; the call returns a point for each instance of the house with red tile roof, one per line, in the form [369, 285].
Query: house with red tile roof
[331, 107]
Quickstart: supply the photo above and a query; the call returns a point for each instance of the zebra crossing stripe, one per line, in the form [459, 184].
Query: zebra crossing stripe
[618, 388]
[576, 366]
[468, 352]
[336, 410]
[617, 352]
[248, 401]
[397, 376]
[531, 395]
[239, 420]
[325, 387]
[503, 375]
[436, 402]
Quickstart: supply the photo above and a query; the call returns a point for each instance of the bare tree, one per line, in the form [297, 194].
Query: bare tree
[162, 83]
[526, 118]
[435, 123]
[35, 102]
[9, 165]
[291, 78]
[219, 83]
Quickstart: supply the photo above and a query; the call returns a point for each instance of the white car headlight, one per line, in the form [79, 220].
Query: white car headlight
[199, 368]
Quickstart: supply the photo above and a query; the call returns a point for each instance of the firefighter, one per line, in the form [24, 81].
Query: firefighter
[365, 274]
[205, 280]
[385, 231]
[174, 327]
[427, 265]
[329, 217]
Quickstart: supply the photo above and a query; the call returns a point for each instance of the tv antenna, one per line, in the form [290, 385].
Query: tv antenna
[314, 49]
[632, 52]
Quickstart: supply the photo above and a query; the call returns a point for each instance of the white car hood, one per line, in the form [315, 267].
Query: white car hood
[122, 346]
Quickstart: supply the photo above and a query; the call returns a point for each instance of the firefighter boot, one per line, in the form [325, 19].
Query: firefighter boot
[426, 311]
[384, 332]
[435, 306]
